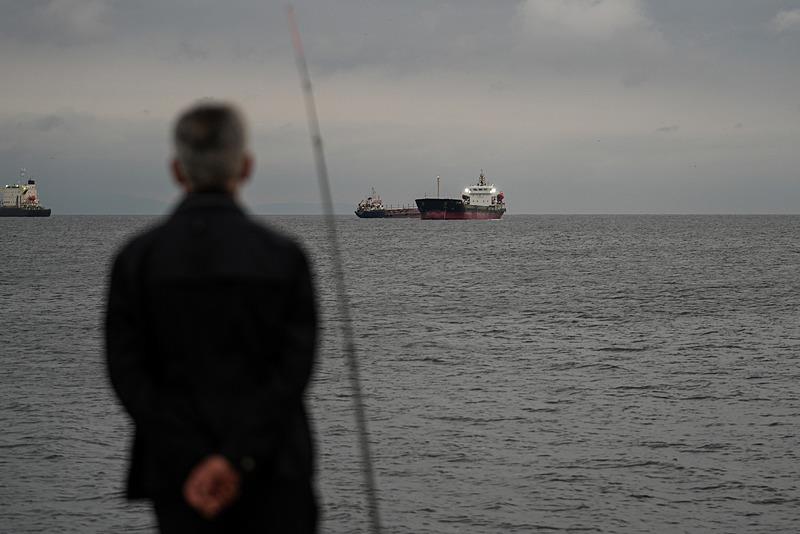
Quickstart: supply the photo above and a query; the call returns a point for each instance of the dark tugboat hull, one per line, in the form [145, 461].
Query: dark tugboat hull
[455, 209]
[399, 213]
[371, 214]
[24, 212]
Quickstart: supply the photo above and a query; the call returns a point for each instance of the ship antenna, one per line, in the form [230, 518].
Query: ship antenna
[344, 309]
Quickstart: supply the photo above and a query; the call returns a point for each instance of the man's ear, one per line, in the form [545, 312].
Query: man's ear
[248, 165]
[179, 176]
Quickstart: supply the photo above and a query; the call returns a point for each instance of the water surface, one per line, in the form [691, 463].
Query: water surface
[557, 373]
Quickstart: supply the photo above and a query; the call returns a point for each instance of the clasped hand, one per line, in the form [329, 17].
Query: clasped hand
[212, 486]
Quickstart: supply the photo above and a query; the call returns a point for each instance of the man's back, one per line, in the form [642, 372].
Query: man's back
[211, 333]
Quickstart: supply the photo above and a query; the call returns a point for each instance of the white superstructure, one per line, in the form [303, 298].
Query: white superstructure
[20, 195]
[371, 203]
[482, 194]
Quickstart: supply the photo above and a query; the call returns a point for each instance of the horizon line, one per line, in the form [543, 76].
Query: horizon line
[544, 214]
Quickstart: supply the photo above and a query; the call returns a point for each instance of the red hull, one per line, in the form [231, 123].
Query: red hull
[461, 215]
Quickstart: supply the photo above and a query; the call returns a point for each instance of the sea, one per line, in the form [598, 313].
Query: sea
[532, 374]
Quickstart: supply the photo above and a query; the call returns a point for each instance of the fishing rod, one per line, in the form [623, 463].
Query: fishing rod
[338, 271]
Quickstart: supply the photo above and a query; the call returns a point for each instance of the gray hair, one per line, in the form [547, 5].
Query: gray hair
[210, 141]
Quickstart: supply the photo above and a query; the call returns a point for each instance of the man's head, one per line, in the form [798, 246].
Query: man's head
[211, 149]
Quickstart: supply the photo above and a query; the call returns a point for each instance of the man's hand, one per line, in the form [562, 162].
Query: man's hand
[212, 486]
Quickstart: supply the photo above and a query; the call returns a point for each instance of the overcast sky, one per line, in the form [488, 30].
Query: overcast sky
[570, 106]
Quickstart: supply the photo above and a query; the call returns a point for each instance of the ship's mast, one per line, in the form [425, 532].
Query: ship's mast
[482, 179]
[437, 186]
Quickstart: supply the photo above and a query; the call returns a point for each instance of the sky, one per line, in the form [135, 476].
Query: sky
[569, 106]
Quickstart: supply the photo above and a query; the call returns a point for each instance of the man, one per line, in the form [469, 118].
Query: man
[210, 338]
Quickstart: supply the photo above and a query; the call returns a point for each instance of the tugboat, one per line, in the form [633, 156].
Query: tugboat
[22, 200]
[480, 201]
[372, 207]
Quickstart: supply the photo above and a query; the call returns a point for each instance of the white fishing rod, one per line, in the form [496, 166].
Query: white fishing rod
[338, 271]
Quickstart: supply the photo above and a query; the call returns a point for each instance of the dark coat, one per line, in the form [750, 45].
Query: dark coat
[210, 339]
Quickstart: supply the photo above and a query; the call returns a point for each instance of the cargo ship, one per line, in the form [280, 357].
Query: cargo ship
[480, 201]
[372, 207]
[22, 200]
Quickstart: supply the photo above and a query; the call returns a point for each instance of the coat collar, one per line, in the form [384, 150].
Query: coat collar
[214, 201]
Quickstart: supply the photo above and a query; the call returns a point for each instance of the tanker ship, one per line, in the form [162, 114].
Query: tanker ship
[372, 207]
[480, 201]
[22, 200]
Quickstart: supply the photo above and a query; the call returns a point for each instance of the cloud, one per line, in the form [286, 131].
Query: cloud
[611, 39]
[192, 52]
[48, 123]
[786, 21]
[407, 91]
[80, 17]
[590, 19]
[60, 22]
